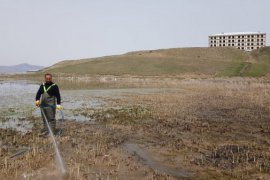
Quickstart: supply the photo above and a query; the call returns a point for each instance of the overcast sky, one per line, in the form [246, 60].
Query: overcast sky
[43, 32]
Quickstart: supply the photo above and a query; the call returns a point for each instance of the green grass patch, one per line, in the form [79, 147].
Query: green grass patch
[234, 70]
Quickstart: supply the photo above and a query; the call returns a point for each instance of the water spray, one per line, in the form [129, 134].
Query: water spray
[19, 153]
[59, 161]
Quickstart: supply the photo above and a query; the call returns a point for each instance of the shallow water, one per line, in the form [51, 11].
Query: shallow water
[17, 105]
[18, 102]
[22, 126]
[17, 93]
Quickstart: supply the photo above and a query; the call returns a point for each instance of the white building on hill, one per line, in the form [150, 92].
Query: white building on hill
[247, 41]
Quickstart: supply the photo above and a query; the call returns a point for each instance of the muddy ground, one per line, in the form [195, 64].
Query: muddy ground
[198, 129]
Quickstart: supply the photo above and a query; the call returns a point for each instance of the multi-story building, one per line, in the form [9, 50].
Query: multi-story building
[247, 41]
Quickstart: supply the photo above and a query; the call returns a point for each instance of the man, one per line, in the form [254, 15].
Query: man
[47, 97]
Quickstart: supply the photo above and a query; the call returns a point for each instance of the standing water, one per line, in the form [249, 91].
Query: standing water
[59, 162]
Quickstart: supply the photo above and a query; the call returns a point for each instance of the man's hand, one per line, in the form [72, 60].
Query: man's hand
[37, 103]
[59, 107]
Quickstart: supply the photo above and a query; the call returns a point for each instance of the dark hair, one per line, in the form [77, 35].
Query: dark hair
[48, 74]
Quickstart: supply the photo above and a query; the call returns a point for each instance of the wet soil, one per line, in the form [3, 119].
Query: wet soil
[205, 130]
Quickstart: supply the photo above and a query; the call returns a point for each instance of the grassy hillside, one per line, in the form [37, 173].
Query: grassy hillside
[210, 61]
[261, 63]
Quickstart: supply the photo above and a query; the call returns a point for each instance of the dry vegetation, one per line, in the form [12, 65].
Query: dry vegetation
[200, 129]
[223, 125]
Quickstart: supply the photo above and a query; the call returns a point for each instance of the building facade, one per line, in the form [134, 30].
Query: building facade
[247, 41]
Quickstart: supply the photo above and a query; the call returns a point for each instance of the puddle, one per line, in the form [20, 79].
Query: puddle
[18, 125]
[147, 160]
[69, 115]
[75, 104]
[17, 93]
[18, 97]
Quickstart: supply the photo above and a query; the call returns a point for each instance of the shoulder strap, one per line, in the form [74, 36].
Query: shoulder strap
[46, 90]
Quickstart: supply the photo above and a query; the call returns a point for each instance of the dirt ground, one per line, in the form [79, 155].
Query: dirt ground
[199, 129]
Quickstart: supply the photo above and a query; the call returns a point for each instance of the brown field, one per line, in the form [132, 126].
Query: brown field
[212, 128]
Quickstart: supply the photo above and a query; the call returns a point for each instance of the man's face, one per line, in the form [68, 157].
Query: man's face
[48, 78]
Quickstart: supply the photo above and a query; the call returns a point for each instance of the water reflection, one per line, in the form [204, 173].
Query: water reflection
[17, 104]
[17, 124]
[18, 99]
[16, 93]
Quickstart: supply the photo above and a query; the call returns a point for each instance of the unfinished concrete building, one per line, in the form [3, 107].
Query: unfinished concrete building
[247, 41]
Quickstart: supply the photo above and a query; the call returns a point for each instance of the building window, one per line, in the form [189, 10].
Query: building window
[238, 44]
[248, 44]
[261, 35]
[224, 41]
[251, 44]
[261, 43]
[243, 44]
[242, 40]
[251, 47]
[243, 36]
[232, 40]
[258, 44]
[220, 45]
[223, 44]
[232, 44]
[242, 47]
[261, 39]
[238, 36]
[229, 44]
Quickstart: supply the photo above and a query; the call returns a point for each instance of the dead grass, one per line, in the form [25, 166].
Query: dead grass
[214, 128]
[215, 116]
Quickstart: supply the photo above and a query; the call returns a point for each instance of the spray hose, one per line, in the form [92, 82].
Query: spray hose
[58, 133]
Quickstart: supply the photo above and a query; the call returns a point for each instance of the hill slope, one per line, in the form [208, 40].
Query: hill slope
[210, 61]
[261, 64]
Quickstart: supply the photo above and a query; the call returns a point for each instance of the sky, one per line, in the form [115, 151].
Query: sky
[44, 32]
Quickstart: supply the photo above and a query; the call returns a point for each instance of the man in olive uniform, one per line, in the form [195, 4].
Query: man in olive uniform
[47, 96]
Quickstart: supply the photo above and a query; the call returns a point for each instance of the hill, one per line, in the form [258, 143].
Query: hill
[210, 61]
[19, 68]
